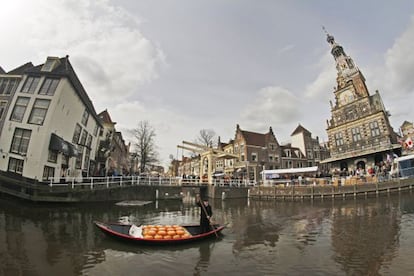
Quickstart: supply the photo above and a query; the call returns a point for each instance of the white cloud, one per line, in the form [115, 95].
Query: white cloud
[109, 53]
[394, 80]
[286, 49]
[273, 106]
[399, 62]
[325, 80]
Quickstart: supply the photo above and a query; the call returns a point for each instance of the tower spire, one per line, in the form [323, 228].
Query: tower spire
[347, 73]
[344, 63]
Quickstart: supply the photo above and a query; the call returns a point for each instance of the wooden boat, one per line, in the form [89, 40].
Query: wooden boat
[157, 234]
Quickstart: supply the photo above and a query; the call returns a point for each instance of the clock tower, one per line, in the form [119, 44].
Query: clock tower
[359, 132]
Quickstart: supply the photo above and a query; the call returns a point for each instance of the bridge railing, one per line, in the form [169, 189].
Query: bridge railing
[114, 181]
[234, 182]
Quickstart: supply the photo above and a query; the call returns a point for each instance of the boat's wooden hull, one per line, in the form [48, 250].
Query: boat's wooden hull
[122, 232]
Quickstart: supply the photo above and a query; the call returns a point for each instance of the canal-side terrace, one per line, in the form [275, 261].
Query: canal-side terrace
[118, 188]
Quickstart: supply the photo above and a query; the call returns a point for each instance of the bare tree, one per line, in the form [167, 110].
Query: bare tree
[145, 148]
[207, 137]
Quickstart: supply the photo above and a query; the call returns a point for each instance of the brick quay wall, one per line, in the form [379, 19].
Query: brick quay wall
[298, 192]
[88, 192]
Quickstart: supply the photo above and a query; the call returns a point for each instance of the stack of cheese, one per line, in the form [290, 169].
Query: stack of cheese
[164, 232]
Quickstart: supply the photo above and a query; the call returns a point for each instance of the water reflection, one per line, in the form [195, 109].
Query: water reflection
[365, 236]
[361, 237]
[204, 259]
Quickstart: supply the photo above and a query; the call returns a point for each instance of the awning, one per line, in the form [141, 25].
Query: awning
[58, 144]
[291, 170]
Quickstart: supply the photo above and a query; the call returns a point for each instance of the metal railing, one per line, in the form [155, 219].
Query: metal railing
[120, 181]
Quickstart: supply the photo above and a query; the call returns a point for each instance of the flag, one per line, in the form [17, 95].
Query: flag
[408, 143]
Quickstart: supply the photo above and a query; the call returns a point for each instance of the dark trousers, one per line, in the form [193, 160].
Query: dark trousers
[205, 226]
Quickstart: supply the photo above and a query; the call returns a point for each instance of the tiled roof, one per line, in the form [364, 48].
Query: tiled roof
[21, 69]
[105, 117]
[254, 139]
[65, 69]
[257, 139]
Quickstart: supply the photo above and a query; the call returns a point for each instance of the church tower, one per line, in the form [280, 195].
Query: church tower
[359, 131]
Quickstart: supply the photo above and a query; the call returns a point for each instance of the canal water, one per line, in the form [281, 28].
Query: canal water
[341, 237]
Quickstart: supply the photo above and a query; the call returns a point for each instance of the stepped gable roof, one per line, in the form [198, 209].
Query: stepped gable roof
[65, 69]
[2, 71]
[300, 129]
[21, 69]
[105, 117]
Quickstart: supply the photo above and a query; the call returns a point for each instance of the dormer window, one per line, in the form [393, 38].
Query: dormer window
[50, 64]
[288, 153]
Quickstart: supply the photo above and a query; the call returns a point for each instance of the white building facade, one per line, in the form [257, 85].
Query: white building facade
[51, 128]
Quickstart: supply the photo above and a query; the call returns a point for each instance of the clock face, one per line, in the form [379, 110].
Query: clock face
[346, 97]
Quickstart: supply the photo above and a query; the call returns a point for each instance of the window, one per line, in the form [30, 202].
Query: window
[89, 141]
[83, 138]
[356, 135]
[375, 130]
[49, 64]
[272, 146]
[270, 158]
[49, 87]
[76, 134]
[48, 172]
[15, 165]
[19, 109]
[11, 87]
[254, 157]
[20, 142]
[339, 141]
[85, 117]
[30, 85]
[78, 164]
[7, 86]
[3, 84]
[2, 108]
[39, 110]
[87, 156]
[95, 131]
[52, 156]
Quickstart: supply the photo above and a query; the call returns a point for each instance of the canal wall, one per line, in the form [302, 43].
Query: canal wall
[158, 190]
[295, 192]
[226, 192]
[40, 192]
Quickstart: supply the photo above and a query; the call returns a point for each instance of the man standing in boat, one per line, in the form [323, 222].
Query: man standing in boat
[205, 214]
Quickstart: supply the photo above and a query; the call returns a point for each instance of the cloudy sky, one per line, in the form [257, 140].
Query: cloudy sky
[187, 65]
